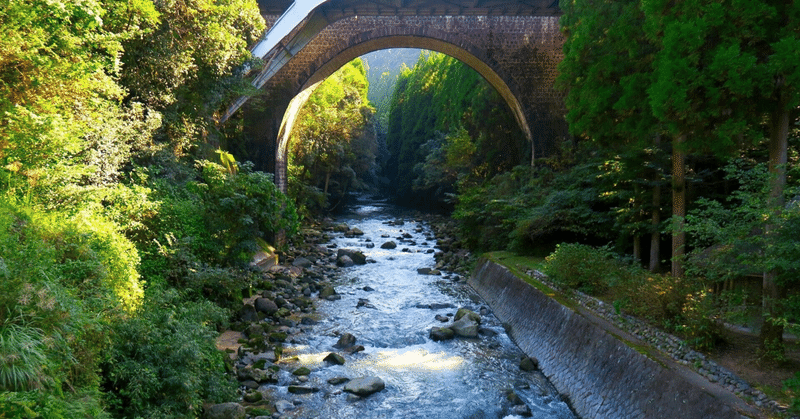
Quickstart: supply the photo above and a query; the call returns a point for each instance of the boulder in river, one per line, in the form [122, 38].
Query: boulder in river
[364, 386]
[389, 245]
[334, 358]
[302, 389]
[344, 261]
[335, 381]
[345, 341]
[441, 333]
[356, 256]
[529, 364]
[283, 406]
[326, 292]
[465, 327]
[464, 312]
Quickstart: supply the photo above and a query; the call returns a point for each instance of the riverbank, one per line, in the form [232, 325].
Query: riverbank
[701, 369]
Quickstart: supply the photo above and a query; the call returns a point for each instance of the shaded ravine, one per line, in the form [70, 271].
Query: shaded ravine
[390, 308]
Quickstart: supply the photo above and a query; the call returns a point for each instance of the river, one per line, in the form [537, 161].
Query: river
[386, 304]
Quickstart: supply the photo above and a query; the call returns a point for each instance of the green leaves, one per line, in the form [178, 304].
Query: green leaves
[334, 144]
[444, 103]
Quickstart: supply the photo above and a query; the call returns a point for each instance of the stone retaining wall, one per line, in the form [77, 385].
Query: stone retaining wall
[602, 375]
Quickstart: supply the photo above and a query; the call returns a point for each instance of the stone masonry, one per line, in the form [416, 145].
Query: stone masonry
[515, 50]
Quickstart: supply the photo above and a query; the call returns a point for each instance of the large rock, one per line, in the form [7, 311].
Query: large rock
[265, 305]
[355, 255]
[302, 262]
[248, 313]
[283, 406]
[258, 375]
[441, 333]
[529, 364]
[364, 386]
[344, 261]
[302, 389]
[389, 245]
[334, 358]
[464, 312]
[327, 292]
[345, 341]
[225, 411]
[465, 327]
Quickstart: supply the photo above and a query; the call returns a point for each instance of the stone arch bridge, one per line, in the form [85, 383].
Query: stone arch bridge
[514, 45]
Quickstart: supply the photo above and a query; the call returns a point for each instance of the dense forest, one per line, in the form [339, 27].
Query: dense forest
[334, 145]
[447, 127]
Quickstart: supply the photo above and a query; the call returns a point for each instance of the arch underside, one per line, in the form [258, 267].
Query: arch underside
[517, 56]
[397, 41]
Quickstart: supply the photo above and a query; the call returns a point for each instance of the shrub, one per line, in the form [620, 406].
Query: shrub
[63, 280]
[581, 267]
[164, 362]
[243, 207]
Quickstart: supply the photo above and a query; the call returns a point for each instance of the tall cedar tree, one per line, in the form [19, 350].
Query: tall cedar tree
[606, 71]
[722, 67]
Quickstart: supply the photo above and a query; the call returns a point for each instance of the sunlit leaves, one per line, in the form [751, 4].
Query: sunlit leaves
[333, 145]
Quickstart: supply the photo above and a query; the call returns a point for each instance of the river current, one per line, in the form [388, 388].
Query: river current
[386, 304]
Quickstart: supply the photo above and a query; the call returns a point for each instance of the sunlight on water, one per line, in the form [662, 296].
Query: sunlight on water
[415, 360]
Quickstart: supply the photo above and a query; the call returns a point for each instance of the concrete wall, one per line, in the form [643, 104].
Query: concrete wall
[601, 374]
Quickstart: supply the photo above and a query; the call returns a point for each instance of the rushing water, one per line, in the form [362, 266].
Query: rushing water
[459, 378]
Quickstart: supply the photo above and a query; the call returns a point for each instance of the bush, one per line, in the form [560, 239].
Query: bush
[244, 207]
[675, 304]
[63, 280]
[164, 362]
[584, 268]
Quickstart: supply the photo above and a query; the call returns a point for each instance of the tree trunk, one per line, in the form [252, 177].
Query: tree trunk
[655, 220]
[637, 211]
[655, 224]
[327, 181]
[678, 205]
[772, 332]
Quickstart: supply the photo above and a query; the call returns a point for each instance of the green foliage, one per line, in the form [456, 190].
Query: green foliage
[334, 144]
[163, 362]
[445, 119]
[679, 306]
[61, 122]
[37, 404]
[190, 78]
[731, 242]
[531, 209]
[64, 280]
[243, 209]
[24, 364]
[584, 268]
[792, 387]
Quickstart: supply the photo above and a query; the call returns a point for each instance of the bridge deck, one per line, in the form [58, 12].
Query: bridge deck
[340, 8]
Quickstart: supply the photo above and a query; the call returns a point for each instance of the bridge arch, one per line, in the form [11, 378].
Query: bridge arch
[331, 64]
[517, 55]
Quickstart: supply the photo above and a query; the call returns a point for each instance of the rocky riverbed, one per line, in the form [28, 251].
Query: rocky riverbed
[279, 380]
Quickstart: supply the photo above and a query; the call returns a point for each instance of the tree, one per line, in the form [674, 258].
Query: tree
[442, 98]
[723, 67]
[606, 71]
[188, 64]
[333, 144]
